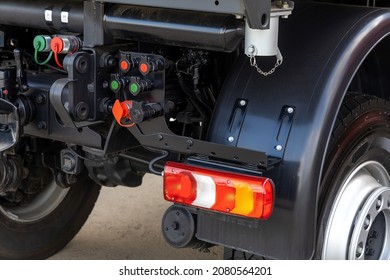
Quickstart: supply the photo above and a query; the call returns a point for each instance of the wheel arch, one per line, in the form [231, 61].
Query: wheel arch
[314, 80]
[370, 77]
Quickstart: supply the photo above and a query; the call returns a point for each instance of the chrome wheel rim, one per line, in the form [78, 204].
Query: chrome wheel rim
[42, 205]
[359, 221]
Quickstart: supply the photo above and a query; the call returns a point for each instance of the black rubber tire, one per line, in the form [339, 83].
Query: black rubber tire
[362, 119]
[43, 238]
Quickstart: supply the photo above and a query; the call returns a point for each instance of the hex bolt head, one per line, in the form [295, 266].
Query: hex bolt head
[231, 139]
[279, 148]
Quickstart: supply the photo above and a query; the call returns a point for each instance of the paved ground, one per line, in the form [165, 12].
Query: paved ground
[125, 224]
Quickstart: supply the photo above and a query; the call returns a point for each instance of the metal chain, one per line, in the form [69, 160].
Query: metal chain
[253, 62]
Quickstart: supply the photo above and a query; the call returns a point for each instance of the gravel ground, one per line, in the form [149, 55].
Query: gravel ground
[126, 224]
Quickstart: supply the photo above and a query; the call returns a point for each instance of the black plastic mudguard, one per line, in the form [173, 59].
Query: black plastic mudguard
[323, 46]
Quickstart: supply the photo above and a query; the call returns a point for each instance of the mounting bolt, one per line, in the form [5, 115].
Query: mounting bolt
[40, 99]
[242, 102]
[174, 225]
[72, 179]
[160, 137]
[290, 110]
[190, 142]
[231, 139]
[279, 148]
[42, 125]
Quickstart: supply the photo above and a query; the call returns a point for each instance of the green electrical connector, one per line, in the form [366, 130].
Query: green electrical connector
[41, 43]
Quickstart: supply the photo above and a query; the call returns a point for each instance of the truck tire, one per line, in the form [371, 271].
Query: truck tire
[48, 222]
[354, 209]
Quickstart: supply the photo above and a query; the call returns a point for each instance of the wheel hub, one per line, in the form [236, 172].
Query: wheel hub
[359, 222]
[375, 239]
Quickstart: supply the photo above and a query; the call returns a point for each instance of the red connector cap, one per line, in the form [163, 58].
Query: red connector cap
[57, 45]
[121, 112]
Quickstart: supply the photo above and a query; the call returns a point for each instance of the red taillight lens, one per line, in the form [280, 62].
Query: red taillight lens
[237, 194]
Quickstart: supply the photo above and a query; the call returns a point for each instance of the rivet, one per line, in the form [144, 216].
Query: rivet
[231, 139]
[279, 148]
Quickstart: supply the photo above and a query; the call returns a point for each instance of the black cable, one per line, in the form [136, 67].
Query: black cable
[153, 161]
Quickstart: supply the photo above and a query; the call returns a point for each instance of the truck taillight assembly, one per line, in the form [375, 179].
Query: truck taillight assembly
[232, 193]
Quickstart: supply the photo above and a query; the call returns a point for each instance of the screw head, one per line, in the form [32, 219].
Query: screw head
[231, 139]
[290, 110]
[279, 148]
[242, 102]
[190, 142]
[174, 225]
[251, 49]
